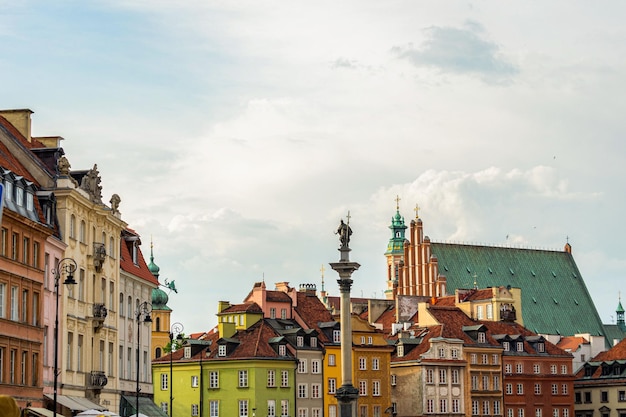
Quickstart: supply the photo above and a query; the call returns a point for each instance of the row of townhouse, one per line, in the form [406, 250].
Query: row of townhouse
[56, 225]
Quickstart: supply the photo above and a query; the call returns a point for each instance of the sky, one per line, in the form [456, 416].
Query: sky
[238, 134]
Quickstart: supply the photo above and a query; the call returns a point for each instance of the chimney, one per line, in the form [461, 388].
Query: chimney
[282, 286]
[222, 305]
[20, 119]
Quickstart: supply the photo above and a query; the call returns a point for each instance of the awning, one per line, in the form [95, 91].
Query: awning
[40, 412]
[76, 403]
[146, 406]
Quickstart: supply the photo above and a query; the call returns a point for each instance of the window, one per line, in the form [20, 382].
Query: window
[332, 385]
[283, 313]
[271, 408]
[14, 301]
[564, 369]
[479, 312]
[300, 341]
[481, 337]
[509, 389]
[79, 354]
[214, 379]
[362, 363]
[520, 412]
[336, 336]
[376, 411]
[363, 411]
[194, 409]
[536, 368]
[243, 378]
[496, 407]
[214, 408]
[3, 247]
[331, 359]
[553, 369]
[376, 388]
[26, 250]
[621, 396]
[25, 306]
[30, 201]
[243, 408]
[302, 366]
[194, 381]
[456, 406]
[394, 380]
[284, 408]
[519, 368]
[486, 408]
[455, 376]
[362, 387]
[303, 412]
[282, 350]
[332, 411]
[520, 389]
[362, 340]
[541, 347]
[284, 378]
[221, 350]
[443, 373]
[429, 376]
[537, 412]
[370, 341]
[496, 382]
[375, 364]
[508, 368]
[33, 370]
[473, 359]
[442, 352]
[506, 346]
[24, 366]
[604, 396]
[271, 378]
[509, 412]
[474, 382]
[587, 397]
[316, 367]
[443, 405]
[454, 353]
[489, 311]
[73, 226]
[316, 391]
[70, 344]
[566, 412]
[520, 346]
[313, 341]
[3, 288]
[537, 389]
[272, 313]
[19, 196]
[82, 232]
[555, 389]
[303, 391]
[564, 389]
[485, 382]
[164, 384]
[12, 366]
[475, 408]
[400, 350]
[485, 359]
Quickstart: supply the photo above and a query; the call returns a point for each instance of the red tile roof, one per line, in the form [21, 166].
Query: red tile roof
[140, 269]
[249, 307]
[311, 311]
[571, 343]
[615, 353]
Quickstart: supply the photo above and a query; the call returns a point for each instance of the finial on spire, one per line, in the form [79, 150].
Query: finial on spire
[398, 202]
[417, 208]
[475, 281]
[322, 269]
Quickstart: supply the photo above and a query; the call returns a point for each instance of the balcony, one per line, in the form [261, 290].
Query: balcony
[99, 255]
[99, 315]
[97, 380]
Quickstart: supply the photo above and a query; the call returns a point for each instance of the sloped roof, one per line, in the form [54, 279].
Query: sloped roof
[571, 343]
[613, 332]
[555, 299]
[140, 269]
[312, 312]
[617, 352]
[249, 307]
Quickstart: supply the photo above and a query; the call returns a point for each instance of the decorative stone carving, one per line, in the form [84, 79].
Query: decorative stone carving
[91, 184]
[64, 166]
[115, 203]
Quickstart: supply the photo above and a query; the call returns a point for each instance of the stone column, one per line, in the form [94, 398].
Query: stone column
[347, 394]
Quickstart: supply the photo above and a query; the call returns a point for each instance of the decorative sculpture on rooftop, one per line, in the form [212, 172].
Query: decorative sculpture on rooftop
[91, 184]
[344, 231]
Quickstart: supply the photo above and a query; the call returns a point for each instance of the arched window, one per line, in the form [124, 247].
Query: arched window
[111, 253]
[158, 324]
[73, 226]
[157, 352]
[129, 313]
[104, 238]
[121, 304]
[82, 231]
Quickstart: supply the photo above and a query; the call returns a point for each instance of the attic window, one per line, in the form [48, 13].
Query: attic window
[300, 341]
[506, 346]
[400, 351]
[520, 346]
[221, 350]
[313, 341]
[541, 347]
[481, 337]
[512, 273]
[282, 350]
[187, 352]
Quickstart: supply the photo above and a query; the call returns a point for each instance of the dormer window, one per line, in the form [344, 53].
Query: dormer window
[300, 341]
[30, 204]
[541, 347]
[19, 196]
[282, 350]
[8, 194]
[400, 351]
[336, 336]
[481, 337]
[221, 350]
[134, 253]
[506, 346]
[520, 346]
[187, 352]
[313, 341]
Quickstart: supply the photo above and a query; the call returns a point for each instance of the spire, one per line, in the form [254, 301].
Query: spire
[152, 266]
[620, 313]
[398, 228]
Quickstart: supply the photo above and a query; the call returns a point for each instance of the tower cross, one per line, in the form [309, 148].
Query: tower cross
[417, 208]
[398, 202]
[348, 218]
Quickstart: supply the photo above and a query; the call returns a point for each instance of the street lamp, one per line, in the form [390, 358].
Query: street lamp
[143, 316]
[65, 266]
[175, 329]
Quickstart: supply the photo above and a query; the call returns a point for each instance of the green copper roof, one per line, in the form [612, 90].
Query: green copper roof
[396, 243]
[159, 299]
[620, 309]
[152, 266]
[555, 299]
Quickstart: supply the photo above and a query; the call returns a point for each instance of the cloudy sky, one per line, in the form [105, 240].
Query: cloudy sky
[238, 133]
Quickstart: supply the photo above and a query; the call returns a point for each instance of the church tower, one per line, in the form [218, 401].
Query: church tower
[160, 313]
[620, 315]
[395, 252]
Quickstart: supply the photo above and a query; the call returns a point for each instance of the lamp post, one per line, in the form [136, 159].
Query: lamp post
[65, 266]
[143, 316]
[175, 330]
